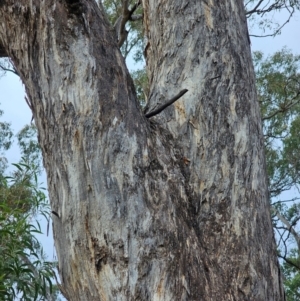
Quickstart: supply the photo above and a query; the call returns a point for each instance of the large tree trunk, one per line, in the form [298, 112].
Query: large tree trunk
[170, 209]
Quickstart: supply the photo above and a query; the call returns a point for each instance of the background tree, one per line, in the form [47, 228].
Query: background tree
[5, 142]
[25, 274]
[278, 85]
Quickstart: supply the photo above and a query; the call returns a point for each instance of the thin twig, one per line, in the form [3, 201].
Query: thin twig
[254, 9]
[290, 227]
[289, 261]
[9, 70]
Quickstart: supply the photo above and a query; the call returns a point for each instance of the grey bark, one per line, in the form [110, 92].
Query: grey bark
[217, 126]
[171, 209]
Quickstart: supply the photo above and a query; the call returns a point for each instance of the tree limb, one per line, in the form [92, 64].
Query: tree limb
[9, 70]
[254, 9]
[277, 30]
[286, 201]
[289, 261]
[120, 24]
[283, 109]
[168, 103]
[290, 228]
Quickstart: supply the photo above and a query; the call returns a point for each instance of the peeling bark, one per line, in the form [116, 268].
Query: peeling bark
[171, 209]
[217, 126]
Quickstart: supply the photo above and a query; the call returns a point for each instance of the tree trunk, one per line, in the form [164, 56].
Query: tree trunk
[169, 208]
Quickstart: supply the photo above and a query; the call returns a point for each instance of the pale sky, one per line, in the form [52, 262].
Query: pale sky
[18, 114]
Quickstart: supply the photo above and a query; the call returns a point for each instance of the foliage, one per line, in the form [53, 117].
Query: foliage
[135, 39]
[292, 277]
[24, 273]
[29, 146]
[289, 251]
[141, 83]
[5, 142]
[278, 86]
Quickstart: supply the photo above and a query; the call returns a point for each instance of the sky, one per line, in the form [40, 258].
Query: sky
[289, 37]
[16, 110]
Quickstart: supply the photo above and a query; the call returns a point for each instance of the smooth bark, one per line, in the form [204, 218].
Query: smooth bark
[170, 209]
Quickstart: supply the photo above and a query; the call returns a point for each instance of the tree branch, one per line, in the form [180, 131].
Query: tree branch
[254, 9]
[157, 111]
[120, 24]
[286, 201]
[283, 109]
[289, 261]
[9, 70]
[290, 228]
[277, 30]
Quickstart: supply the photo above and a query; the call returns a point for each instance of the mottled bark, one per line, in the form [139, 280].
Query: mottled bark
[172, 209]
[217, 126]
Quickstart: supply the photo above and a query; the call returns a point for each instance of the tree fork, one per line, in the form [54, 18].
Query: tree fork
[135, 223]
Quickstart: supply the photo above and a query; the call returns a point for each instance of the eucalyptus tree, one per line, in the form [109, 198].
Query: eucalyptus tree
[173, 207]
[25, 274]
[278, 84]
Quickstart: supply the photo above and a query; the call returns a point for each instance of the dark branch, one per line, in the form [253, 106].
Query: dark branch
[254, 9]
[286, 201]
[2, 52]
[290, 262]
[9, 70]
[290, 227]
[283, 109]
[277, 31]
[157, 111]
[55, 213]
